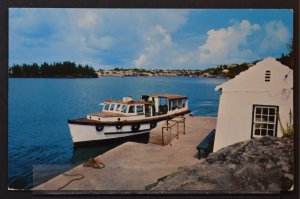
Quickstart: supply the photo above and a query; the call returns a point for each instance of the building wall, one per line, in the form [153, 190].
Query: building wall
[238, 96]
[235, 115]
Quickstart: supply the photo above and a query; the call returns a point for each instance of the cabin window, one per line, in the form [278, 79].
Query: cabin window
[131, 109]
[106, 107]
[264, 120]
[180, 103]
[163, 106]
[118, 107]
[124, 110]
[147, 110]
[175, 104]
[140, 109]
[172, 105]
[122, 107]
[183, 102]
[268, 76]
[112, 107]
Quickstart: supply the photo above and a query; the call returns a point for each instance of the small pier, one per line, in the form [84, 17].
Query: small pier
[166, 132]
[132, 166]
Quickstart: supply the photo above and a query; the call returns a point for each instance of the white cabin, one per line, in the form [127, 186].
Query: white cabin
[249, 103]
[155, 105]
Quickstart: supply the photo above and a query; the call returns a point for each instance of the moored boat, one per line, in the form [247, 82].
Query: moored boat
[127, 117]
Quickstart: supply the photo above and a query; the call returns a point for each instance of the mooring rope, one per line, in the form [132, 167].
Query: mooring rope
[65, 174]
[90, 163]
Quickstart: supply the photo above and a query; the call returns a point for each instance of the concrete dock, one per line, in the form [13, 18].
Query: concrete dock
[132, 166]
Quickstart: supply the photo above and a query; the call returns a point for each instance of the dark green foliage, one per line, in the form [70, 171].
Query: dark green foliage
[237, 70]
[232, 71]
[59, 69]
[288, 59]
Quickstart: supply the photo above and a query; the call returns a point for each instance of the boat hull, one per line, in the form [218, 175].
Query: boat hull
[84, 133]
[84, 130]
[140, 138]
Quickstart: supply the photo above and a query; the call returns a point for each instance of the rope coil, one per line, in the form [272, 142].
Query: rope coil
[94, 164]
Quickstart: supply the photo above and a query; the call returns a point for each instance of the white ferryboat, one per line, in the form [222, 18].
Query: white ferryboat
[127, 117]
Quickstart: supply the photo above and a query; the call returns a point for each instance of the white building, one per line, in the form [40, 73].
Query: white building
[225, 71]
[249, 102]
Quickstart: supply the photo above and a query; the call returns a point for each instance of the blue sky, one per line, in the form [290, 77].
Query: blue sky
[147, 38]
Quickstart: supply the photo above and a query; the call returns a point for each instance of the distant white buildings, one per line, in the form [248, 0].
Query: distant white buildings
[249, 102]
[116, 73]
[225, 71]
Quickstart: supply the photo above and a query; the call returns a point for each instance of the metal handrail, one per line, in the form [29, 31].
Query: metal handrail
[177, 122]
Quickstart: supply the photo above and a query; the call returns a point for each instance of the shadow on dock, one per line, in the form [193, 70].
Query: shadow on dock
[83, 153]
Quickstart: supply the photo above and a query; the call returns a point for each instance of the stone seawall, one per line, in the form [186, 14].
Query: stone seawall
[258, 165]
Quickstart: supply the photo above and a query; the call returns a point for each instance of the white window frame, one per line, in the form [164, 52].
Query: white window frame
[262, 123]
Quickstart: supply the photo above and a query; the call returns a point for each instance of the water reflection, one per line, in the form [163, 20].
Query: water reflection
[43, 173]
[82, 154]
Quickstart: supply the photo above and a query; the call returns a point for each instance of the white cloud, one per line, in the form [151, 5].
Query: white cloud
[89, 34]
[276, 36]
[135, 37]
[90, 19]
[157, 40]
[141, 61]
[160, 51]
[224, 45]
[243, 42]
[98, 43]
[186, 58]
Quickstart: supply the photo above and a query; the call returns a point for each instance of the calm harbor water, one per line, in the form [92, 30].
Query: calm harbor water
[38, 134]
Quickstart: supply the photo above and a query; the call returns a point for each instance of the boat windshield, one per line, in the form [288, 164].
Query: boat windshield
[112, 107]
[124, 110]
[119, 107]
[106, 107]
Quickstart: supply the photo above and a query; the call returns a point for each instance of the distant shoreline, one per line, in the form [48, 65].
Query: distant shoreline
[52, 77]
[215, 77]
[208, 77]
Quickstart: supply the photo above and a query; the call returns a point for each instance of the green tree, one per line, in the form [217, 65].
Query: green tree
[288, 59]
[56, 69]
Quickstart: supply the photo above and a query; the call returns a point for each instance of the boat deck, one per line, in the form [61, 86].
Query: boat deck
[107, 114]
[85, 121]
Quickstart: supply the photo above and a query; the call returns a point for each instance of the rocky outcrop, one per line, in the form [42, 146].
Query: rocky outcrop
[264, 164]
